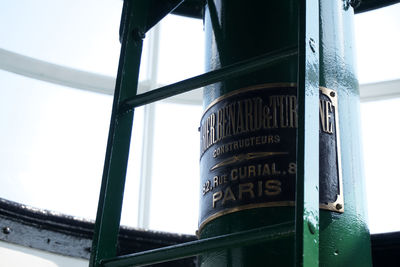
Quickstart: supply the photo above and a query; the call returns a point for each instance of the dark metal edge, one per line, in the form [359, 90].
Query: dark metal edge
[191, 8]
[72, 236]
[385, 249]
[369, 5]
[195, 8]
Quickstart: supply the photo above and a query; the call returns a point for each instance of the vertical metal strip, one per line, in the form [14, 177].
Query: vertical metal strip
[148, 131]
[111, 195]
[307, 183]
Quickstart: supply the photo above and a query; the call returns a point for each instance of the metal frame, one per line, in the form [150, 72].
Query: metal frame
[111, 193]
[93, 82]
[135, 18]
[148, 134]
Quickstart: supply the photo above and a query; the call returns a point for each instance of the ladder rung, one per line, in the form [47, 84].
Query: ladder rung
[188, 249]
[234, 70]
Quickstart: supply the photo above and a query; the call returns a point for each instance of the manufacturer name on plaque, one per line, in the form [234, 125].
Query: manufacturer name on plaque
[248, 150]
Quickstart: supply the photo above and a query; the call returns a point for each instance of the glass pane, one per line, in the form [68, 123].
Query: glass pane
[53, 144]
[175, 181]
[77, 34]
[377, 44]
[381, 158]
[14, 256]
[181, 49]
[129, 215]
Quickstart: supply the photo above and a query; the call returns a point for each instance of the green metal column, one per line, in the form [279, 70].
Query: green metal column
[237, 30]
[344, 237]
[248, 133]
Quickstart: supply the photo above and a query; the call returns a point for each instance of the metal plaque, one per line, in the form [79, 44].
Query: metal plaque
[248, 151]
[330, 171]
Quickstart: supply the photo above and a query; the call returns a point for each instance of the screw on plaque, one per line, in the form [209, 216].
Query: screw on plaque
[311, 42]
[332, 94]
[339, 206]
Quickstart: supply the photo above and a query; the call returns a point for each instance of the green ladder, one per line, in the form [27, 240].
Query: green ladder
[138, 16]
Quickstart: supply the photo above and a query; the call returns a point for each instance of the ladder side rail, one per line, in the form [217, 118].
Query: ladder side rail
[107, 224]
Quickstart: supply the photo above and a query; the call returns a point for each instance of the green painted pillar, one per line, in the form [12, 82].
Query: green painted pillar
[344, 238]
[248, 135]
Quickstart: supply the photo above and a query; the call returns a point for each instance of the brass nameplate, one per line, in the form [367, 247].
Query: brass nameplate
[248, 150]
[330, 170]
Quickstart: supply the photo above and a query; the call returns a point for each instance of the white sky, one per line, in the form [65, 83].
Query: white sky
[377, 41]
